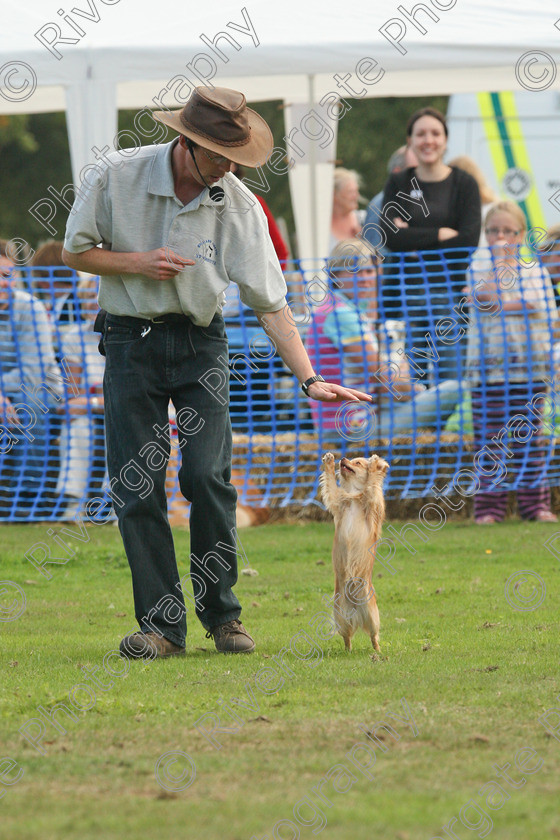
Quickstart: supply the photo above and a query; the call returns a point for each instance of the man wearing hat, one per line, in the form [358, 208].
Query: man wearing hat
[175, 228]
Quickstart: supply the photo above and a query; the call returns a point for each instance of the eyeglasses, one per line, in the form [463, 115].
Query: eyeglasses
[219, 159]
[507, 232]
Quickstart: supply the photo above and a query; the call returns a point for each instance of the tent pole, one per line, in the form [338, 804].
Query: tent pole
[313, 176]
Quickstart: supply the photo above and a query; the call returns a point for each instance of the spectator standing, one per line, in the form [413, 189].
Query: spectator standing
[55, 283]
[30, 386]
[277, 239]
[402, 158]
[389, 288]
[509, 358]
[487, 195]
[82, 434]
[440, 210]
[345, 223]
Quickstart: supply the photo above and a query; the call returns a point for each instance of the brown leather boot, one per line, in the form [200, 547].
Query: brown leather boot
[231, 637]
[148, 646]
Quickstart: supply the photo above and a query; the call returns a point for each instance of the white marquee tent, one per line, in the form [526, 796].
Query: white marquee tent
[123, 53]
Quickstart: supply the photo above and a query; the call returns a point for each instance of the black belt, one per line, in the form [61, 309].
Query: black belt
[168, 318]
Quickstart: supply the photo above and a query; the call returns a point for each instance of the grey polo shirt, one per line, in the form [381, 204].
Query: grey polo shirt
[134, 208]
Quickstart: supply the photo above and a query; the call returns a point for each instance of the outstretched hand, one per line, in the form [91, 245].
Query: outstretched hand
[331, 392]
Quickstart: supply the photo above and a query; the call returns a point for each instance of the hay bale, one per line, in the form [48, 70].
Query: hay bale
[429, 458]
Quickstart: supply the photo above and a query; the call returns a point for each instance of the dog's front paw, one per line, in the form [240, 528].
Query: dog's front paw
[328, 459]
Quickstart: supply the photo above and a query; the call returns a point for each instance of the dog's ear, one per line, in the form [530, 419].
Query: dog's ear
[383, 466]
[377, 465]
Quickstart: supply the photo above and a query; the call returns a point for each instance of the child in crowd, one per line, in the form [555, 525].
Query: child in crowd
[509, 362]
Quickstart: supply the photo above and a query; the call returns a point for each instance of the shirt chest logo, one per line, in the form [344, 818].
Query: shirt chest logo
[206, 250]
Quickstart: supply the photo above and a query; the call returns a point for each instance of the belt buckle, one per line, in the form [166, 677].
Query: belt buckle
[155, 321]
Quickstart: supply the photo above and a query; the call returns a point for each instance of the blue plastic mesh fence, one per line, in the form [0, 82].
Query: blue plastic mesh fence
[52, 453]
[456, 349]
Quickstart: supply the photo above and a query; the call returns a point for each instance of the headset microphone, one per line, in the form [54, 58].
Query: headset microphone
[215, 193]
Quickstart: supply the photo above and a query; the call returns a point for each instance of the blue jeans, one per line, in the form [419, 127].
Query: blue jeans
[148, 365]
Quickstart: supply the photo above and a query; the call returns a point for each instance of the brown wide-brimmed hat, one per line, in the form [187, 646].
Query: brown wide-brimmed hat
[220, 121]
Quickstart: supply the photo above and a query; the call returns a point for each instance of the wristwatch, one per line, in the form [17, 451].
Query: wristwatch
[305, 385]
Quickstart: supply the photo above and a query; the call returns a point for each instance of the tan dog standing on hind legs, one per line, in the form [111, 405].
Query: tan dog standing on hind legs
[358, 509]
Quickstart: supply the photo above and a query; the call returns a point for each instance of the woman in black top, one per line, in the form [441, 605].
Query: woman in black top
[429, 208]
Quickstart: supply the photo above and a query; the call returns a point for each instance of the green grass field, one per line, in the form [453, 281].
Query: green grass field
[475, 673]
